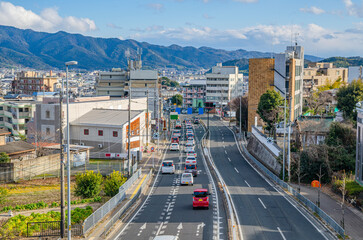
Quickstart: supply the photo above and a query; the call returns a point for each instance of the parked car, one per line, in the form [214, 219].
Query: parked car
[168, 167]
[186, 179]
[201, 198]
[174, 147]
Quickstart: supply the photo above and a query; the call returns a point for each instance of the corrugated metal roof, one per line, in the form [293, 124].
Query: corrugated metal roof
[105, 117]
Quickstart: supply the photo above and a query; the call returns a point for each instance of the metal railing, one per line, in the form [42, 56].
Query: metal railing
[100, 213]
[330, 221]
[125, 207]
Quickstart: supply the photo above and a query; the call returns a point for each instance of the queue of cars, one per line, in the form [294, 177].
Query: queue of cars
[201, 195]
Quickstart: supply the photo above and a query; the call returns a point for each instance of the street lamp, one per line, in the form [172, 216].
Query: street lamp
[70, 63]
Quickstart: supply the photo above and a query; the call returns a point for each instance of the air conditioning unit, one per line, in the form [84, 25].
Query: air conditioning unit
[100, 145]
[82, 144]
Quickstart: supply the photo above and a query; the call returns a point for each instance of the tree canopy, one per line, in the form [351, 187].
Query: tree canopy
[167, 82]
[349, 96]
[4, 158]
[268, 109]
[178, 99]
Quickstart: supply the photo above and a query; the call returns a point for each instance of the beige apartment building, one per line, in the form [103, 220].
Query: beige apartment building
[27, 82]
[320, 74]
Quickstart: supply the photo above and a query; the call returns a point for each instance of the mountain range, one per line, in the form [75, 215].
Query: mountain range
[40, 50]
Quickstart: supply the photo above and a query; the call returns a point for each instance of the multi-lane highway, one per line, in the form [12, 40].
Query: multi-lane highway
[263, 212]
[168, 209]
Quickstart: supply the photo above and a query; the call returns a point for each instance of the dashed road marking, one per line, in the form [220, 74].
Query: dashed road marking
[236, 170]
[247, 183]
[229, 159]
[283, 236]
[262, 203]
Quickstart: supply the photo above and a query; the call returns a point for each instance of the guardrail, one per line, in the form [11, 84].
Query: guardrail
[331, 222]
[124, 208]
[231, 209]
[100, 213]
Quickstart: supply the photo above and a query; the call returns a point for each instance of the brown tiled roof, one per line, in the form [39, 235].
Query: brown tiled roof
[4, 132]
[17, 147]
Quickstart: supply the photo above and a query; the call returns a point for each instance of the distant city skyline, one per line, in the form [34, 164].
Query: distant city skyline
[324, 28]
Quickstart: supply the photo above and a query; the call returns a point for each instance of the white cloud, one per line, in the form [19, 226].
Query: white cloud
[313, 10]
[48, 20]
[315, 38]
[157, 7]
[353, 9]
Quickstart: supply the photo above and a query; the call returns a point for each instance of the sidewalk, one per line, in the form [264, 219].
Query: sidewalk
[146, 164]
[353, 218]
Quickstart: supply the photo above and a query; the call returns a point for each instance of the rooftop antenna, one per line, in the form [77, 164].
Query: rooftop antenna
[139, 62]
[296, 35]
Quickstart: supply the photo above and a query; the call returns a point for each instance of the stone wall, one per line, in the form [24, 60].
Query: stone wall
[263, 154]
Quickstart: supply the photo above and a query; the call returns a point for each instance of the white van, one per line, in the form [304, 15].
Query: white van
[168, 167]
[186, 179]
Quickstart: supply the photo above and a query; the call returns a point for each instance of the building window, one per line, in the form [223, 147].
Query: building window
[1, 108]
[86, 132]
[115, 133]
[108, 92]
[109, 84]
[1, 119]
[47, 114]
[20, 110]
[110, 76]
[145, 84]
[27, 120]
[100, 132]
[26, 109]
[47, 131]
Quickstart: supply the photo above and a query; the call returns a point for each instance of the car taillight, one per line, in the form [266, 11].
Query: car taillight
[185, 168]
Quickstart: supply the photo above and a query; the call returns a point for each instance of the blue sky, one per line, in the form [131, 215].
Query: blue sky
[324, 27]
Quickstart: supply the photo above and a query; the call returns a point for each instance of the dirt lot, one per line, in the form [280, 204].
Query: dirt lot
[32, 191]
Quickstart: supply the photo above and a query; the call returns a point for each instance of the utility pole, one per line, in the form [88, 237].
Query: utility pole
[129, 133]
[284, 153]
[289, 146]
[158, 122]
[240, 117]
[61, 158]
[147, 119]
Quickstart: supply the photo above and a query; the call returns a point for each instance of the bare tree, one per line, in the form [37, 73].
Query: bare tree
[318, 101]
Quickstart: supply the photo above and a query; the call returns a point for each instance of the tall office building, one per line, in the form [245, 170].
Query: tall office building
[289, 70]
[261, 79]
[283, 74]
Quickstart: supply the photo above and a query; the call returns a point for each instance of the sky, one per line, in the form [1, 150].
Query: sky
[324, 27]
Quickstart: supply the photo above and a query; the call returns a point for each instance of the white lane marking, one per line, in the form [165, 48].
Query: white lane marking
[229, 159]
[282, 235]
[180, 227]
[143, 227]
[198, 227]
[168, 207]
[147, 198]
[247, 183]
[282, 194]
[161, 225]
[262, 203]
[225, 151]
[236, 170]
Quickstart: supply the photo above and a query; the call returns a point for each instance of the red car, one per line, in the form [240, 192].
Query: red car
[174, 140]
[201, 198]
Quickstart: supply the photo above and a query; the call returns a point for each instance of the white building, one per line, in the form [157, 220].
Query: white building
[359, 148]
[354, 73]
[288, 77]
[45, 125]
[111, 83]
[222, 84]
[107, 131]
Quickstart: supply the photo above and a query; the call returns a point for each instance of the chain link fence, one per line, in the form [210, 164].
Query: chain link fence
[97, 216]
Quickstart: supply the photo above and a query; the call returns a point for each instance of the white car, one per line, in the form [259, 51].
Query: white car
[168, 167]
[176, 133]
[192, 153]
[191, 140]
[186, 179]
[191, 159]
[174, 147]
[189, 147]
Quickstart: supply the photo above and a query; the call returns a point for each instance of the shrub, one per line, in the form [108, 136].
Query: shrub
[113, 183]
[78, 215]
[3, 194]
[88, 184]
[4, 158]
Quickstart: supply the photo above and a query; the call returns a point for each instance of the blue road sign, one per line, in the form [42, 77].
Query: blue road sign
[190, 110]
[201, 111]
[177, 110]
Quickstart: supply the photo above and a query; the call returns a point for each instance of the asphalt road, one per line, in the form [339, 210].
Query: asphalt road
[168, 209]
[263, 212]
